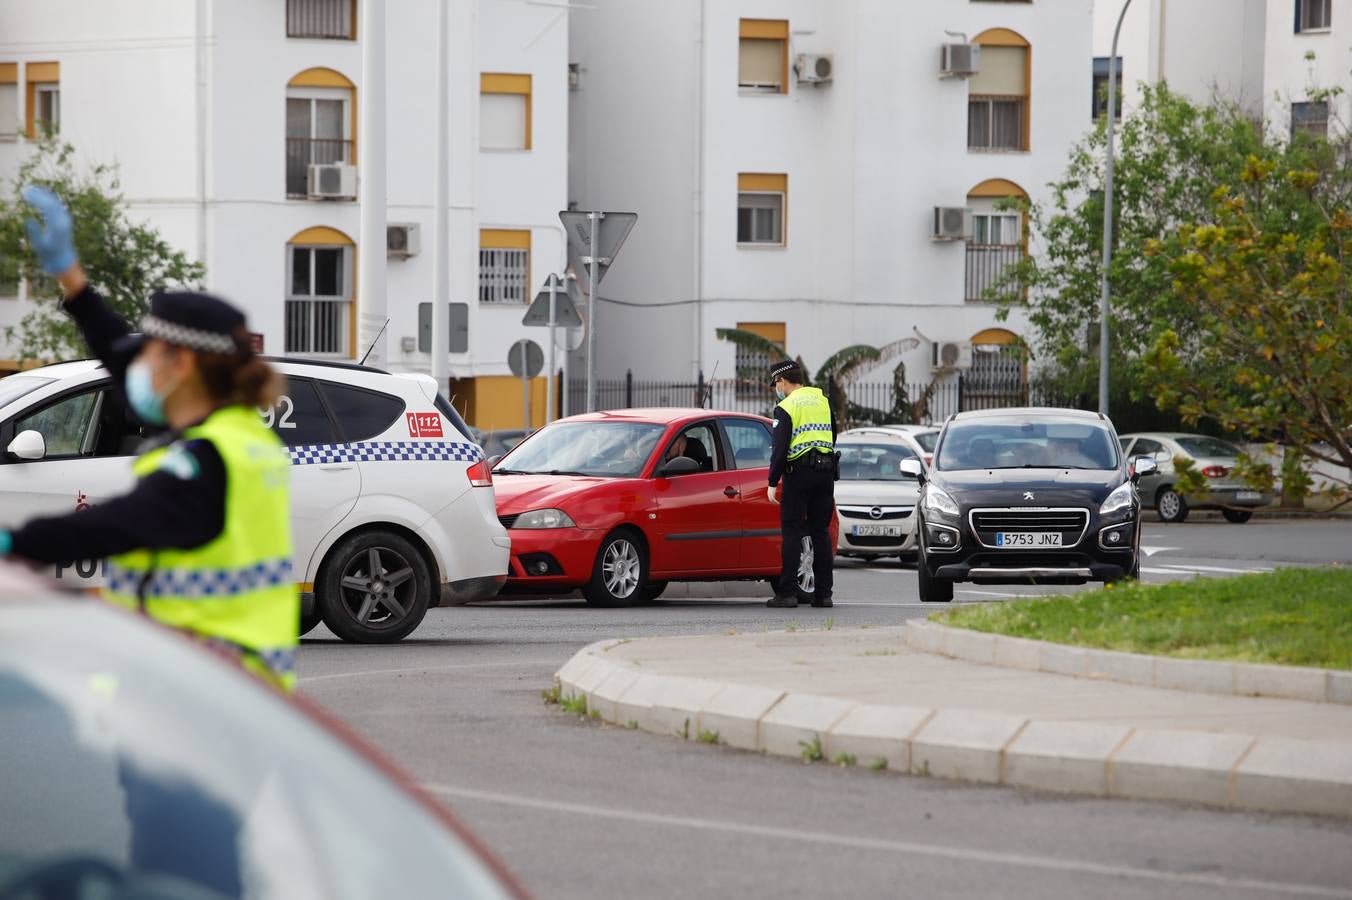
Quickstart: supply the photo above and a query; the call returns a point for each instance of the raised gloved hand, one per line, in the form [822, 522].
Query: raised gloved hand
[772, 493]
[52, 237]
[6, 542]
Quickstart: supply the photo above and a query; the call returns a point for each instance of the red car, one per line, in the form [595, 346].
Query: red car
[621, 503]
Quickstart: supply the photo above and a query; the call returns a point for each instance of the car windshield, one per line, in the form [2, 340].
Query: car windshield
[16, 386]
[132, 757]
[872, 462]
[1026, 444]
[926, 439]
[604, 449]
[1207, 447]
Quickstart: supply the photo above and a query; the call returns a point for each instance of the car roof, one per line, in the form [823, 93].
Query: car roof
[1172, 435]
[662, 415]
[908, 428]
[1048, 412]
[874, 434]
[61, 369]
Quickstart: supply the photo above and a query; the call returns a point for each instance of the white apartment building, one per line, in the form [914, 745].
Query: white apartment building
[805, 209]
[1271, 56]
[235, 129]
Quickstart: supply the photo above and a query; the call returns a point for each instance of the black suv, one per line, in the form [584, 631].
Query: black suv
[1027, 496]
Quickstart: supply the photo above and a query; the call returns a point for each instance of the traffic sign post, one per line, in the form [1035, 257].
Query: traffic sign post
[596, 237]
[552, 307]
[525, 359]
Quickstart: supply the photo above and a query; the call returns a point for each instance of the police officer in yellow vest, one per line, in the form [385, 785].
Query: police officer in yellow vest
[203, 541]
[804, 455]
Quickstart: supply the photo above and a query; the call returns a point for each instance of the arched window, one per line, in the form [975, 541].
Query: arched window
[998, 376]
[999, 95]
[321, 119]
[999, 239]
[320, 311]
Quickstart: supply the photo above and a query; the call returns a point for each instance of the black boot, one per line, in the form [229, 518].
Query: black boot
[780, 601]
[822, 601]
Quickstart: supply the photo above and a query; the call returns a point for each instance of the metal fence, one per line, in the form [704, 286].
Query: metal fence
[986, 265]
[876, 403]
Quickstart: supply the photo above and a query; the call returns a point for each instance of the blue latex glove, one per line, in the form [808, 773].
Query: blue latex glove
[52, 239]
[6, 542]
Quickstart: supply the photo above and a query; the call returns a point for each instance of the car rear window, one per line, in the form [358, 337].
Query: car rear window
[361, 414]
[1208, 446]
[298, 417]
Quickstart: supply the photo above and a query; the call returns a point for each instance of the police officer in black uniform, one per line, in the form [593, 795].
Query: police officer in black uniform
[804, 455]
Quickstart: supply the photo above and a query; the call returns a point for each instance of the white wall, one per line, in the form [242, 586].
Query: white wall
[1290, 76]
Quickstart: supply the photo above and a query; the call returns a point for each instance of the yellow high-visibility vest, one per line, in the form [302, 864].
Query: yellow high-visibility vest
[810, 414]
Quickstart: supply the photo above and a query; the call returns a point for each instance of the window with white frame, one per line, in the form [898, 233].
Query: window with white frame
[997, 101]
[11, 122]
[763, 55]
[318, 300]
[995, 246]
[1100, 83]
[1314, 15]
[760, 218]
[1310, 117]
[504, 111]
[47, 108]
[318, 132]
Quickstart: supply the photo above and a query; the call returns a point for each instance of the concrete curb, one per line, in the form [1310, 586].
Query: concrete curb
[1200, 675]
[1228, 770]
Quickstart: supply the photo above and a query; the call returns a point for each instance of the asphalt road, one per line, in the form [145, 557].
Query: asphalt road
[581, 810]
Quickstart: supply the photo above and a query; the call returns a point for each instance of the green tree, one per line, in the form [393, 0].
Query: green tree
[126, 261]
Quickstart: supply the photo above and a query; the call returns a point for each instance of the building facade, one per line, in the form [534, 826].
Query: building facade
[818, 211]
[234, 127]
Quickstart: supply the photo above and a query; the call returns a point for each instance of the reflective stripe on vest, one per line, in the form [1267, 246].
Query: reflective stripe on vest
[234, 592]
[810, 415]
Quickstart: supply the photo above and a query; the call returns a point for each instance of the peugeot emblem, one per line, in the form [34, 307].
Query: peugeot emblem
[876, 512]
[1028, 495]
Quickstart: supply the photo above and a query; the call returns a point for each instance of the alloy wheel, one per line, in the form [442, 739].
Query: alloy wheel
[807, 580]
[620, 568]
[377, 586]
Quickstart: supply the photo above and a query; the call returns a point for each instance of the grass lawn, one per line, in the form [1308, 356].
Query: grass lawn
[1297, 617]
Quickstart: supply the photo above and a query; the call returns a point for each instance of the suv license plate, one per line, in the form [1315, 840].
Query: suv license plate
[1248, 495]
[1013, 540]
[877, 531]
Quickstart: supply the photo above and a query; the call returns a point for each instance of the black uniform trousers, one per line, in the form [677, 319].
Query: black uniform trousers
[805, 509]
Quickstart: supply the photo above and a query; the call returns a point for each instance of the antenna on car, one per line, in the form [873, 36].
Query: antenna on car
[708, 397]
[373, 342]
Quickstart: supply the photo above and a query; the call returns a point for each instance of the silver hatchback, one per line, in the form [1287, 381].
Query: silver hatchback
[874, 498]
[1214, 458]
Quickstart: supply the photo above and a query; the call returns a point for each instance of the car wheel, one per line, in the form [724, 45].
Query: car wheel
[375, 588]
[620, 574]
[652, 591]
[1238, 516]
[308, 622]
[932, 590]
[807, 579]
[1171, 506]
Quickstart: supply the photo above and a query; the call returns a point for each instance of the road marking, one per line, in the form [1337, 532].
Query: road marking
[1189, 567]
[964, 854]
[309, 679]
[993, 593]
[1151, 551]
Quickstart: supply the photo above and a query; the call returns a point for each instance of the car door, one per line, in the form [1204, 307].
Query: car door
[698, 521]
[750, 443]
[324, 482]
[91, 442]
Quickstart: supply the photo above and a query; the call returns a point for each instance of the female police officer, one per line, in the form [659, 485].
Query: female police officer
[203, 541]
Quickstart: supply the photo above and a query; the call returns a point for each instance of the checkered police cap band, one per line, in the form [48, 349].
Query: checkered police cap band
[192, 338]
[787, 369]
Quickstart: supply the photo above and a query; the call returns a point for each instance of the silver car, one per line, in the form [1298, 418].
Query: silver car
[874, 498]
[1212, 457]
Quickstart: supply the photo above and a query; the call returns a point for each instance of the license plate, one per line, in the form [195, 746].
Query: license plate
[1020, 539]
[877, 531]
[1248, 495]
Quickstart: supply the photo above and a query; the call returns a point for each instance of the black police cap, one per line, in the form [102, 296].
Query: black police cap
[193, 320]
[788, 370]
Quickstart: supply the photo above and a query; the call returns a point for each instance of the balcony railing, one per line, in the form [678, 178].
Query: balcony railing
[319, 19]
[317, 327]
[986, 264]
[502, 275]
[995, 122]
[301, 152]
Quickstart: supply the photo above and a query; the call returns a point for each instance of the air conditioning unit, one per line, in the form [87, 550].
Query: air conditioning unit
[952, 223]
[814, 68]
[401, 239]
[332, 181]
[959, 60]
[951, 355]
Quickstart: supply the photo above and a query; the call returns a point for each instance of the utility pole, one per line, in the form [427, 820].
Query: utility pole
[371, 197]
[1104, 305]
[441, 234]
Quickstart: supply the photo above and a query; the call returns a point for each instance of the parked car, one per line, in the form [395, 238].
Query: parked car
[1213, 457]
[926, 436]
[875, 499]
[621, 503]
[138, 763]
[1019, 496]
[392, 505]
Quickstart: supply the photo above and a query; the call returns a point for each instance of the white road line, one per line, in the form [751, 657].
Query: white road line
[964, 854]
[1188, 567]
[992, 593]
[1151, 551]
[309, 679]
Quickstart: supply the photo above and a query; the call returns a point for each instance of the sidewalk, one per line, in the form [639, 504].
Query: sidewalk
[864, 695]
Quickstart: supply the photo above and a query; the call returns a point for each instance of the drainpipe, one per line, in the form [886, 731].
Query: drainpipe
[371, 197]
[200, 50]
[699, 197]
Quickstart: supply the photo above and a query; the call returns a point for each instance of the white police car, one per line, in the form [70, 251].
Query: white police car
[392, 503]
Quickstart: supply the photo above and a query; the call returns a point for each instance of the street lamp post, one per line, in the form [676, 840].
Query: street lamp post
[1111, 113]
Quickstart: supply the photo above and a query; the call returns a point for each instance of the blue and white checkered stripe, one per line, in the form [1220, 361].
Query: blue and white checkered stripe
[200, 584]
[279, 660]
[386, 451]
[804, 429]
